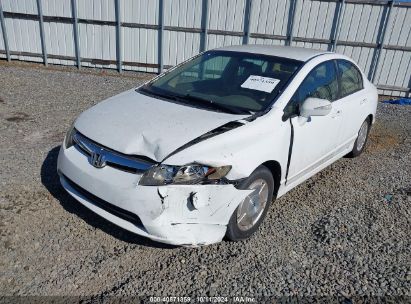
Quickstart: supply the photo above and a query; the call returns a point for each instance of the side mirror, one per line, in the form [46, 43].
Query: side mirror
[315, 107]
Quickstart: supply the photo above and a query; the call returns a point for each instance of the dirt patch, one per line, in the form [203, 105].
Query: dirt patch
[47, 135]
[383, 139]
[18, 117]
[57, 136]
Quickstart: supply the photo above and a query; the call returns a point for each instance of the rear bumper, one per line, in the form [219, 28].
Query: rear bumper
[188, 215]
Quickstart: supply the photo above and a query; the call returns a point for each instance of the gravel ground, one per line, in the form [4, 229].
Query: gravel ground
[345, 232]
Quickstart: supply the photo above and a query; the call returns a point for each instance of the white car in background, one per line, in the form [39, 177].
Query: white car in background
[200, 152]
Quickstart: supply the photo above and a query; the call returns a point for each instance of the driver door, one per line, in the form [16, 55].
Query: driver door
[315, 140]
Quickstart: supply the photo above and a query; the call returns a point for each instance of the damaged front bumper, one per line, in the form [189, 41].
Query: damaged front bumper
[189, 215]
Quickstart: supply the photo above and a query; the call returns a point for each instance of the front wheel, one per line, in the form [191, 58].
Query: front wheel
[252, 210]
[362, 138]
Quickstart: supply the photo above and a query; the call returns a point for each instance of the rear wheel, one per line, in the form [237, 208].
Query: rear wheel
[362, 138]
[252, 210]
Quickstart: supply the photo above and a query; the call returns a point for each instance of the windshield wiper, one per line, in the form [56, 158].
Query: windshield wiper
[148, 90]
[205, 102]
[215, 105]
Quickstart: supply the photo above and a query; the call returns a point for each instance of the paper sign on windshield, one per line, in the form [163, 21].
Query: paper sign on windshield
[265, 84]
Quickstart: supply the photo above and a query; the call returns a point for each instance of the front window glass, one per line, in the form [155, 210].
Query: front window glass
[321, 82]
[232, 81]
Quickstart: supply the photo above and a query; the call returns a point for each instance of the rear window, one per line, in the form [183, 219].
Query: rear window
[350, 78]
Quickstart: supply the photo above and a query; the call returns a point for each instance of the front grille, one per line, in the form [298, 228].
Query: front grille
[117, 211]
[124, 162]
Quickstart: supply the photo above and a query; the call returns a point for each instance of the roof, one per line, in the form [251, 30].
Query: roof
[297, 53]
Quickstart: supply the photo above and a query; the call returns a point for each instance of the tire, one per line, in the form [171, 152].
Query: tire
[237, 228]
[362, 138]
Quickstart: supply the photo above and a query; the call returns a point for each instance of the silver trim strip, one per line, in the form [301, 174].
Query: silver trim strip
[109, 157]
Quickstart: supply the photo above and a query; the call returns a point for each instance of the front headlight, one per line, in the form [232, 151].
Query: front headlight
[159, 175]
[68, 140]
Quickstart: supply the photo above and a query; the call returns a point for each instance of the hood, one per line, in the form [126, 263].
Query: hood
[136, 124]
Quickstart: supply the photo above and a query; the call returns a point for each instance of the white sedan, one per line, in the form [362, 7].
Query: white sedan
[200, 152]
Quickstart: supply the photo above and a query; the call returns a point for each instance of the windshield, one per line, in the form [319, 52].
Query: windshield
[226, 81]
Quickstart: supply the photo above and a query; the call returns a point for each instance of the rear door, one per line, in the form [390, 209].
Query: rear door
[352, 100]
[315, 140]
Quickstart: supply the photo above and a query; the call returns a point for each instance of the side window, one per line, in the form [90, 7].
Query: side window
[350, 78]
[321, 82]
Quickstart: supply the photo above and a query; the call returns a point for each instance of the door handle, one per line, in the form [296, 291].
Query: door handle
[363, 101]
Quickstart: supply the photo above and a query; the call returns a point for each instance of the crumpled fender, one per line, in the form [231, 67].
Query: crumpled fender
[194, 215]
[208, 204]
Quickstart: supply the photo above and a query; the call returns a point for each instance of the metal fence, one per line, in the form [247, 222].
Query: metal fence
[150, 35]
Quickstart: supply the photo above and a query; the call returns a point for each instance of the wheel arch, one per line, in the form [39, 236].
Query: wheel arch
[370, 117]
[275, 169]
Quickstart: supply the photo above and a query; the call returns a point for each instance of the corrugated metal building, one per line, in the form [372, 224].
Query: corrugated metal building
[149, 35]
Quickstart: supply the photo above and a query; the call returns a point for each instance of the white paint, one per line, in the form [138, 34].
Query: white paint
[136, 124]
[260, 83]
[167, 212]
[198, 214]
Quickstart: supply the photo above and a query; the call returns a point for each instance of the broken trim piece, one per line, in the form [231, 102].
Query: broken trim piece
[222, 129]
[290, 150]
